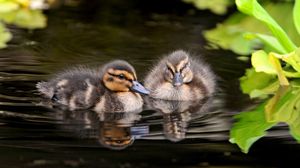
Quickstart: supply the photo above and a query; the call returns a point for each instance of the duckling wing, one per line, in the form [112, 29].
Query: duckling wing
[77, 89]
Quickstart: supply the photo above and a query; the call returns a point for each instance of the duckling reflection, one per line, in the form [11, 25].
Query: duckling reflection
[176, 115]
[117, 130]
[175, 126]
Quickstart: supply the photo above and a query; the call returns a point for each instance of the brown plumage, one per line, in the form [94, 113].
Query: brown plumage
[113, 87]
[178, 76]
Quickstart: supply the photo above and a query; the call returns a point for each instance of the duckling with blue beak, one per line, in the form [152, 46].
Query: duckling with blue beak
[180, 77]
[112, 88]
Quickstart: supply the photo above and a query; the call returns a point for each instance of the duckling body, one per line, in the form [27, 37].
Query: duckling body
[180, 77]
[105, 89]
[119, 102]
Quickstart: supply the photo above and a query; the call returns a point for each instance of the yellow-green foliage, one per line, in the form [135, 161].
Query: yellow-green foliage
[216, 6]
[275, 75]
[242, 34]
[22, 13]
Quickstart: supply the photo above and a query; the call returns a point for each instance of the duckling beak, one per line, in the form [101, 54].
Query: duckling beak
[139, 88]
[177, 80]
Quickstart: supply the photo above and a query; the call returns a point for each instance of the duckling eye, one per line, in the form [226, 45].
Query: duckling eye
[184, 67]
[169, 70]
[121, 76]
[168, 73]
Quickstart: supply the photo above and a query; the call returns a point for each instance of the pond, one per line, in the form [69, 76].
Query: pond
[34, 135]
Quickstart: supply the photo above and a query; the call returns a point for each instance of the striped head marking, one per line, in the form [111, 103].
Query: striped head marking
[178, 69]
[122, 78]
[118, 80]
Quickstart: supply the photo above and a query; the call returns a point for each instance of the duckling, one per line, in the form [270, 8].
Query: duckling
[112, 87]
[180, 77]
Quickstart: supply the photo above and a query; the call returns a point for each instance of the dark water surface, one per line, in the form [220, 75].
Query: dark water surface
[172, 135]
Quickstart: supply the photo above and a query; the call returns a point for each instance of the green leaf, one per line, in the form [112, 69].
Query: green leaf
[286, 108]
[250, 127]
[276, 64]
[216, 6]
[296, 15]
[291, 74]
[270, 106]
[261, 63]
[253, 8]
[292, 58]
[8, 17]
[265, 92]
[8, 6]
[255, 80]
[283, 107]
[25, 18]
[295, 126]
[232, 38]
[294, 123]
[269, 41]
[5, 36]
[295, 83]
[239, 26]
[30, 19]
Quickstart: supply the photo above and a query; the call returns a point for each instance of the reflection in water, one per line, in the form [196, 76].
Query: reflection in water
[114, 130]
[178, 114]
[117, 130]
[175, 126]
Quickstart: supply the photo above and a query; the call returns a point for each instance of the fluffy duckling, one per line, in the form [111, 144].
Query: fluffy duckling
[114, 87]
[180, 77]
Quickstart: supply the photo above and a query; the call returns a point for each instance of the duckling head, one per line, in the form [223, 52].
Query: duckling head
[120, 76]
[177, 69]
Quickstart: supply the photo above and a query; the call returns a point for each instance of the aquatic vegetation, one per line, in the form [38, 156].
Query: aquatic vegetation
[22, 13]
[275, 75]
[5, 36]
[243, 34]
[219, 7]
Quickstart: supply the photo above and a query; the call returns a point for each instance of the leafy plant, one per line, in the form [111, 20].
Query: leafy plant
[216, 6]
[22, 13]
[5, 36]
[269, 78]
[243, 33]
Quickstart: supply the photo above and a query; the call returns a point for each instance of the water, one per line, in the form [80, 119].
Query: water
[34, 135]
